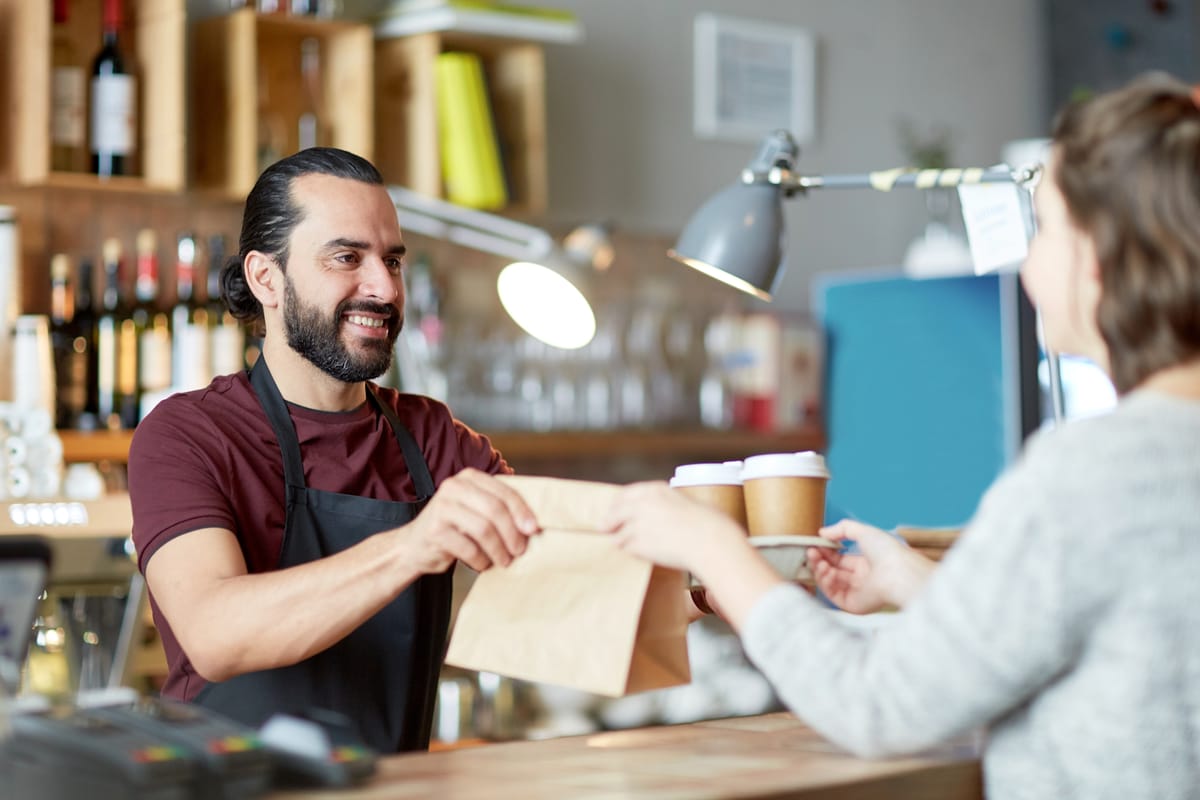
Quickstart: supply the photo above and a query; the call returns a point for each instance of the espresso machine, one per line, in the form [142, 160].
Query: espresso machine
[90, 617]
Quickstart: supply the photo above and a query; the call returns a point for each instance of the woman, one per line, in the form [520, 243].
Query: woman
[1066, 620]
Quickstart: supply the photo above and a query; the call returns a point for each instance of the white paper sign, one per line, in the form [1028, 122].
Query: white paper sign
[995, 218]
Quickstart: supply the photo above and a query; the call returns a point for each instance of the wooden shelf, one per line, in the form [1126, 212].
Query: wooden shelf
[85, 182]
[679, 445]
[561, 29]
[95, 446]
[520, 446]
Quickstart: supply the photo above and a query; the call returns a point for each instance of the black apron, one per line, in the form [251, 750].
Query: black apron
[383, 676]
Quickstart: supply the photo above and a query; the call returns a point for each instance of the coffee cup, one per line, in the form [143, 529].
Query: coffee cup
[785, 493]
[715, 485]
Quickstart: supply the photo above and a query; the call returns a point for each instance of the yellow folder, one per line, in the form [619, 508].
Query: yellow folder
[470, 154]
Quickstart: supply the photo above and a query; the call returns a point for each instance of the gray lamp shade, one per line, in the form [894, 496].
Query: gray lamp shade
[737, 238]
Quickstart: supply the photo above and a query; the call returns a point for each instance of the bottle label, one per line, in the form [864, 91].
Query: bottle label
[72, 383]
[112, 114]
[106, 365]
[191, 359]
[154, 357]
[228, 349]
[127, 358]
[66, 120]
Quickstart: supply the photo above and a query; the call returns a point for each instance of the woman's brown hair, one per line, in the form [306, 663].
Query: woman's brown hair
[1129, 171]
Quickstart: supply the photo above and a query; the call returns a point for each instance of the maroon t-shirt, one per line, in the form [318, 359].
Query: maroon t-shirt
[210, 459]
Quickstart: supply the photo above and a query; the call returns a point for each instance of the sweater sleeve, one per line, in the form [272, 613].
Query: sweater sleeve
[993, 625]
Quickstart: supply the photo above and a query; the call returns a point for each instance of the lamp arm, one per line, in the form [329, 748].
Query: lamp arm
[776, 158]
[468, 227]
[897, 178]
[909, 178]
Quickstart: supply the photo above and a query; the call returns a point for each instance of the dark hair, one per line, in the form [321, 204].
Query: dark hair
[271, 214]
[1129, 172]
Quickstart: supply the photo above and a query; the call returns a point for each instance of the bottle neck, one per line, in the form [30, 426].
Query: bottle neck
[146, 281]
[83, 290]
[216, 261]
[62, 304]
[112, 286]
[184, 289]
[111, 20]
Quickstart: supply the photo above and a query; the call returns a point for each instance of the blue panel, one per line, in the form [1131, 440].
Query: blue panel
[915, 397]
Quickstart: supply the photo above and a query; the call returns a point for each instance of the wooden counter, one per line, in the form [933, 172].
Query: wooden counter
[770, 756]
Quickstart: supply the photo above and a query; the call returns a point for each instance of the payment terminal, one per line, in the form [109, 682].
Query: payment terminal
[67, 754]
[232, 761]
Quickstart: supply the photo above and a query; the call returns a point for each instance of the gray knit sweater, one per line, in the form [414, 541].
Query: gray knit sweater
[1065, 621]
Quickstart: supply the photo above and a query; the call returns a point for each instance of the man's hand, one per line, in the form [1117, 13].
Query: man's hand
[472, 518]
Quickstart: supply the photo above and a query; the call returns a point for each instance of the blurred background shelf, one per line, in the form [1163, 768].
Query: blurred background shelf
[530, 24]
[689, 444]
[95, 446]
[601, 454]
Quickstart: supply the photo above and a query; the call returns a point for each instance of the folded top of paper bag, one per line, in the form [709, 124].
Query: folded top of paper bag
[562, 504]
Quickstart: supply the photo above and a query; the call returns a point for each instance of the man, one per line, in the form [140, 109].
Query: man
[286, 519]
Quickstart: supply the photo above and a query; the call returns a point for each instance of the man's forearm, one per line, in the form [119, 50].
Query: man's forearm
[237, 623]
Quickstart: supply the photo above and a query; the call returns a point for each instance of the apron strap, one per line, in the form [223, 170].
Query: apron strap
[277, 414]
[413, 458]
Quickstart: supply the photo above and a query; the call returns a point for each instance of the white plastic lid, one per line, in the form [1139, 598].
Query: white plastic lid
[785, 465]
[727, 474]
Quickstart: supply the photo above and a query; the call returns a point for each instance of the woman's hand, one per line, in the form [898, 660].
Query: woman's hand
[659, 524]
[884, 572]
[662, 525]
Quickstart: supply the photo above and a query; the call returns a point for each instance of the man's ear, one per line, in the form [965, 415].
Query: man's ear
[264, 278]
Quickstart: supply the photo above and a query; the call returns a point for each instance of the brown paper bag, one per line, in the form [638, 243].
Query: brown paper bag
[574, 610]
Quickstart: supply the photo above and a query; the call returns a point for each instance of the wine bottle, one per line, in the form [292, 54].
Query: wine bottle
[113, 95]
[227, 341]
[68, 88]
[311, 129]
[189, 322]
[70, 366]
[272, 126]
[85, 345]
[153, 327]
[108, 324]
[116, 347]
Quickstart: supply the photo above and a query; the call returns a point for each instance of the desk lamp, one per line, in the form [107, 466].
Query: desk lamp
[539, 289]
[736, 237]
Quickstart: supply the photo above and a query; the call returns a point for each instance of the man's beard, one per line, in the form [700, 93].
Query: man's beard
[319, 339]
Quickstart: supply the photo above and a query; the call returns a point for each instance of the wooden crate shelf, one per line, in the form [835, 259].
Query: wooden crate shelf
[246, 70]
[406, 132]
[153, 40]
